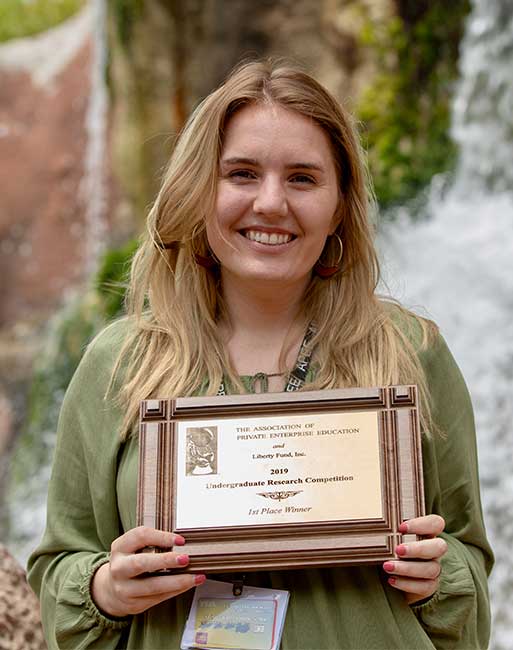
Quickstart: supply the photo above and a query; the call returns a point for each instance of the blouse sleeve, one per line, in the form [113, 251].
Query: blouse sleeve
[82, 514]
[458, 615]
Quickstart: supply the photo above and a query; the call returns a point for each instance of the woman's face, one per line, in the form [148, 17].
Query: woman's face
[277, 197]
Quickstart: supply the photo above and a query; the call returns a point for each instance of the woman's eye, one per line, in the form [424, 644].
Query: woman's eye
[242, 173]
[302, 178]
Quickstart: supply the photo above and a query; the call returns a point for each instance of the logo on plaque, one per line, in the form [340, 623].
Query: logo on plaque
[279, 496]
[201, 454]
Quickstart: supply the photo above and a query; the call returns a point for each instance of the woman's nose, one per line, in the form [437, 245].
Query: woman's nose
[271, 198]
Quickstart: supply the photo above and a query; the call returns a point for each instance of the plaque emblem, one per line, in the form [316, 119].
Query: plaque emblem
[201, 451]
[279, 496]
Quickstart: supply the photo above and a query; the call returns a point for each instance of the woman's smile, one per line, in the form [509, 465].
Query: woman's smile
[272, 238]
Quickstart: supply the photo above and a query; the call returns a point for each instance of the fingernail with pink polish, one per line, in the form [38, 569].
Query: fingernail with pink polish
[179, 540]
[389, 566]
[182, 560]
[391, 581]
[403, 528]
[401, 550]
[200, 579]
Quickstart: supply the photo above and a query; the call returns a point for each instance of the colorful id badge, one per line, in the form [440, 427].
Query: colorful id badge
[218, 619]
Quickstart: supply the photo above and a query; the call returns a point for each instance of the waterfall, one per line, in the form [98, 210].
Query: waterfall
[483, 108]
[93, 187]
[457, 262]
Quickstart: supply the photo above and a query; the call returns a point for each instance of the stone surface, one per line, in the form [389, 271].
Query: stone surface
[41, 167]
[45, 99]
[43, 102]
[20, 623]
[166, 56]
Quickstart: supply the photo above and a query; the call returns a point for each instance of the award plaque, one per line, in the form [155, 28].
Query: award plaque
[282, 480]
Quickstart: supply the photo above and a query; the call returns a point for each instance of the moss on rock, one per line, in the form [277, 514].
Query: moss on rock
[110, 281]
[406, 110]
[19, 18]
[125, 13]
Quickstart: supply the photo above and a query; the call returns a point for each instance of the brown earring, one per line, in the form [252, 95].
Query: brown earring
[326, 272]
[208, 261]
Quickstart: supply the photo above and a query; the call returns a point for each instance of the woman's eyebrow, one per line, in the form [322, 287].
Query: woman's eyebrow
[240, 160]
[237, 160]
[305, 165]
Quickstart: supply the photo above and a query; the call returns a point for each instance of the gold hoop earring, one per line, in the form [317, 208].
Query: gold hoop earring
[326, 272]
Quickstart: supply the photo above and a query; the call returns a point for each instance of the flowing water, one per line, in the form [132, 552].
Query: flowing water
[456, 265]
[93, 188]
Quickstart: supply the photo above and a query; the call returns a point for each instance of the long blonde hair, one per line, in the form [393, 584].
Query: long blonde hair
[173, 347]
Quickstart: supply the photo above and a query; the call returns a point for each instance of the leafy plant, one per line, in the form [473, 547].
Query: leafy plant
[111, 279]
[406, 110]
[26, 17]
[125, 13]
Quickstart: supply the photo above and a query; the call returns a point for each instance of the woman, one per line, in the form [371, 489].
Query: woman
[261, 230]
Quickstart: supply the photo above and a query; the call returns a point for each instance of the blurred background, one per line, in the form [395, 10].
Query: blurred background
[91, 97]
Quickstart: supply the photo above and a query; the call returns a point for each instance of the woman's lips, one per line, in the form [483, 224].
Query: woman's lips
[269, 238]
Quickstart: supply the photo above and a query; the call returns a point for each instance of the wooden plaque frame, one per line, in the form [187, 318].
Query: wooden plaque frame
[285, 546]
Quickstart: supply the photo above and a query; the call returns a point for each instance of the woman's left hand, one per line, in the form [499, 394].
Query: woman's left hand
[417, 571]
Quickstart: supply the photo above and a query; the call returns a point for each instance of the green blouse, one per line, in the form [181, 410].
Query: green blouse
[92, 497]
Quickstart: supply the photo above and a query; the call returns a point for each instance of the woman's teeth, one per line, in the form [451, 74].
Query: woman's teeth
[272, 238]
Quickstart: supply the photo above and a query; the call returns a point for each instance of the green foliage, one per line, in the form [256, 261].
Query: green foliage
[126, 13]
[68, 334]
[406, 111]
[66, 338]
[26, 17]
[111, 279]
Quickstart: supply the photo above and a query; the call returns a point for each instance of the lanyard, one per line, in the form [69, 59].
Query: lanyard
[297, 376]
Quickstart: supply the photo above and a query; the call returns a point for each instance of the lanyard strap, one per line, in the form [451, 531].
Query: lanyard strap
[297, 376]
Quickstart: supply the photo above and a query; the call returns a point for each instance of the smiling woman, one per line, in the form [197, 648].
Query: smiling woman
[259, 270]
[277, 200]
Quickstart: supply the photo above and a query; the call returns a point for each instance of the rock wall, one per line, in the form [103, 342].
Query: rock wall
[42, 116]
[45, 95]
[43, 102]
[167, 55]
[20, 622]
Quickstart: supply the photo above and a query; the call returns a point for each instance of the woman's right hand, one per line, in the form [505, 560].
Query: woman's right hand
[117, 587]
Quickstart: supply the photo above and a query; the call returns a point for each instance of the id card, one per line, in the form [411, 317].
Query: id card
[218, 619]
